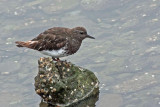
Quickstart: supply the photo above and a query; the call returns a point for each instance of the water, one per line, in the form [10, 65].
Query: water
[124, 56]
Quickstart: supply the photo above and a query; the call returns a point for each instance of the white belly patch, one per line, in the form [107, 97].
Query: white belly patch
[55, 53]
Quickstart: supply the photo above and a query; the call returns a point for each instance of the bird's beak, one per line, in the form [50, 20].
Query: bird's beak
[88, 36]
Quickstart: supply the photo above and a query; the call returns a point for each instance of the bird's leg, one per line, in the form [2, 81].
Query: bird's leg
[58, 59]
[54, 59]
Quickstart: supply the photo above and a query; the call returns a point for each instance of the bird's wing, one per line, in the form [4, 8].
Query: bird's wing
[48, 41]
[51, 39]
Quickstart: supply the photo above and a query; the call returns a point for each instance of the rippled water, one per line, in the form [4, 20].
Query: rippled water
[125, 55]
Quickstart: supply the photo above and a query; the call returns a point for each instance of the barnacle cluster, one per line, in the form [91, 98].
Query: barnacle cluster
[63, 83]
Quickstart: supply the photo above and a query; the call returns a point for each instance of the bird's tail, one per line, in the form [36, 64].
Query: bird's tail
[21, 44]
[28, 44]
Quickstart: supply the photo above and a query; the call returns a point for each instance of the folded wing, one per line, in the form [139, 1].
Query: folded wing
[44, 42]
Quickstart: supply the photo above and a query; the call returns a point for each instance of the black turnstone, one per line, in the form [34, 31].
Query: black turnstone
[57, 41]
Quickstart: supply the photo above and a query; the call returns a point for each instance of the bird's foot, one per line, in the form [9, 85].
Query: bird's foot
[55, 59]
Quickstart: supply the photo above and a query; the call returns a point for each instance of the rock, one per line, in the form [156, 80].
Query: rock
[88, 102]
[62, 83]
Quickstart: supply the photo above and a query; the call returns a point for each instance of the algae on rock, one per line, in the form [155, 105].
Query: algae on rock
[62, 83]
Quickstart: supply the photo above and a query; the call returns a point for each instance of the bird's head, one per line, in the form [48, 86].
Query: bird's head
[81, 33]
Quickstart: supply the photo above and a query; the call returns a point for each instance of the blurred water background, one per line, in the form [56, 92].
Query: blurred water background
[125, 55]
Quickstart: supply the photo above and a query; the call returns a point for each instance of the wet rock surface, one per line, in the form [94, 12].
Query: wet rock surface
[62, 83]
[88, 102]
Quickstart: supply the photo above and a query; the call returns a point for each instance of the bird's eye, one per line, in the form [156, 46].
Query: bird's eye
[81, 32]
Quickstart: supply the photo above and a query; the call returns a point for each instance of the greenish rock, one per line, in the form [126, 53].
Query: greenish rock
[88, 102]
[62, 83]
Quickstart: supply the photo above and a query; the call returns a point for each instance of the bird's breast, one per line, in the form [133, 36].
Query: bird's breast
[73, 46]
[55, 53]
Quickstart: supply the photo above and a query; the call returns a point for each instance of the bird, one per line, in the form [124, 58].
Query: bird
[57, 41]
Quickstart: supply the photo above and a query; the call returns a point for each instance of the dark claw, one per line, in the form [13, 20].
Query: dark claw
[55, 59]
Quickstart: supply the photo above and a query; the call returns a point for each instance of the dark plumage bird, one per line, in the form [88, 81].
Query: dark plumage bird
[57, 41]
